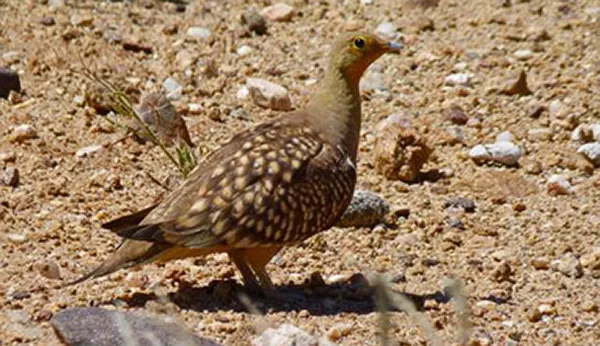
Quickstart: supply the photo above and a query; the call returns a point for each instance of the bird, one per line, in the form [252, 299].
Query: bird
[271, 186]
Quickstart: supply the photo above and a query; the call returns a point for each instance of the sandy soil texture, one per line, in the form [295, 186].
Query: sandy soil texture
[528, 252]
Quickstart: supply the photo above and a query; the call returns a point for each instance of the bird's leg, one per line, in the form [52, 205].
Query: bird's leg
[258, 258]
[238, 258]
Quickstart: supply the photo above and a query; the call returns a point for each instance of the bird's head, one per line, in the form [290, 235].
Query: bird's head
[354, 52]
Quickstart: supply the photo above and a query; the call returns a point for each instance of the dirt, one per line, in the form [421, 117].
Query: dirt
[529, 261]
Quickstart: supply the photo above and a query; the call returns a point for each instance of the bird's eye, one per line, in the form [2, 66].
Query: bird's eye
[359, 43]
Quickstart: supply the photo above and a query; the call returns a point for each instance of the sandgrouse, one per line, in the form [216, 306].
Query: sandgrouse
[276, 184]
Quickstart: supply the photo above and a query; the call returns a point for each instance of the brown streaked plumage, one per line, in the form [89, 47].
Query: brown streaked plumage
[274, 185]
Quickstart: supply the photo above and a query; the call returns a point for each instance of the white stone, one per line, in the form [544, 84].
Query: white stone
[173, 88]
[17, 238]
[194, 108]
[287, 334]
[461, 66]
[279, 12]
[591, 151]
[244, 50]
[506, 153]
[558, 185]
[243, 93]
[387, 30]
[269, 95]
[505, 136]
[366, 2]
[198, 32]
[24, 132]
[79, 100]
[523, 54]
[463, 79]
[86, 151]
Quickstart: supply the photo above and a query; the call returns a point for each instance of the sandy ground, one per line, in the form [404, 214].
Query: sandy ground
[529, 261]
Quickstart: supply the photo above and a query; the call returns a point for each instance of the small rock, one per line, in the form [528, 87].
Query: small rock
[534, 315]
[540, 263]
[100, 327]
[255, 22]
[22, 133]
[569, 265]
[242, 93]
[198, 32]
[504, 136]
[268, 95]
[8, 156]
[47, 21]
[535, 110]
[87, 151]
[398, 119]
[279, 12]
[17, 238]
[591, 151]
[387, 30]
[287, 334]
[399, 153]
[539, 134]
[422, 24]
[339, 331]
[589, 306]
[365, 210]
[456, 115]
[517, 86]
[10, 177]
[557, 185]
[244, 50]
[134, 46]
[486, 305]
[466, 204]
[523, 54]
[366, 2]
[505, 153]
[49, 270]
[173, 88]
[163, 119]
[462, 79]
[586, 133]
[240, 114]
[538, 34]
[82, 21]
[194, 108]
[421, 3]
[9, 80]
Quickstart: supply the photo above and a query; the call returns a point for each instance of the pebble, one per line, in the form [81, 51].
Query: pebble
[81, 21]
[517, 86]
[198, 32]
[9, 81]
[8, 156]
[47, 21]
[557, 185]
[10, 177]
[504, 136]
[243, 92]
[255, 22]
[287, 334]
[399, 153]
[568, 265]
[466, 204]
[194, 108]
[456, 115]
[100, 327]
[244, 50]
[586, 133]
[486, 305]
[591, 151]
[22, 133]
[387, 30]
[398, 119]
[173, 88]
[240, 114]
[540, 263]
[49, 270]
[17, 238]
[462, 79]
[279, 12]
[506, 153]
[338, 331]
[539, 134]
[523, 54]
[87, 151]
[268, 95]
[366, 209]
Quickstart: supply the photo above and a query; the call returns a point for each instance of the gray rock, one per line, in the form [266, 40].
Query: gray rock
[278, 12]
[557, 185]
[366, 210]
[568, 265]
[505, 136]
[22, 133]
[173, 88]
[466, 204]
[463, 79]
[87, 151]
[591, 151]
[268, 95]
[506, 153]
[288, 334]
[10, 177]
[9, 80]
[387, 30]
[255, 22]
[100, 327]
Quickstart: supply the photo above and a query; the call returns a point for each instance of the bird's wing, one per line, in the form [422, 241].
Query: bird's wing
[280, 185]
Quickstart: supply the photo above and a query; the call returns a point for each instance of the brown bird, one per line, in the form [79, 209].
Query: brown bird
[276, 184]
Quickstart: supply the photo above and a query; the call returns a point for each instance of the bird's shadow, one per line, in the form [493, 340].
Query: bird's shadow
[317, 298]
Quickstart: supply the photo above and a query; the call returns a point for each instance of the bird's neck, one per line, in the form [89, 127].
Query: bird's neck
[335, 110]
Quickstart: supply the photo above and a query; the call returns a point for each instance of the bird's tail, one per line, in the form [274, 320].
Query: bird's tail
[130, 253]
